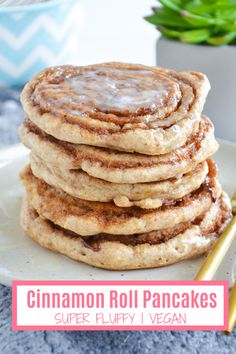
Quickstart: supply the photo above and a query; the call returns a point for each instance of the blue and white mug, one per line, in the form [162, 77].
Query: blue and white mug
[36, 36]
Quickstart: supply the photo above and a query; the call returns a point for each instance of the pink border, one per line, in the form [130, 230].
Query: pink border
[15, 283]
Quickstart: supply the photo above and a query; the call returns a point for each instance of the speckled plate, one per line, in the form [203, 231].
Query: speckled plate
[21, 258]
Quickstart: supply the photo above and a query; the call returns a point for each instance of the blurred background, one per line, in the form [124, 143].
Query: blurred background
[72, 32]
[181, 35]
[115, 30]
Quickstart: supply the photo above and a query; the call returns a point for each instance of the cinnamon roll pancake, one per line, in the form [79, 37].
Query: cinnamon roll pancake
[120, 174]
[120, 167]
[133, 108]
[152, 195]
[91, 218]
[132, 252]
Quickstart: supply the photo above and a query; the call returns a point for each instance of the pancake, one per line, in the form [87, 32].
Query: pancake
[116, 255]
[120, 167]
[134, 108]
[144, 195]
[90, 218]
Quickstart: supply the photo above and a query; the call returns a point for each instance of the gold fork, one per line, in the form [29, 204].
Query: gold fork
[232, 300]
[214, 259]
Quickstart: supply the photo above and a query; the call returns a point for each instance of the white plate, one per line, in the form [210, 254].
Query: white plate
[21, 258]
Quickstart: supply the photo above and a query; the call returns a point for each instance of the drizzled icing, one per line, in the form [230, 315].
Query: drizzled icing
[111, 90]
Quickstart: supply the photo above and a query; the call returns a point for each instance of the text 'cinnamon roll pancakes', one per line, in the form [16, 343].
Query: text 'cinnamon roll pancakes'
[120, 174]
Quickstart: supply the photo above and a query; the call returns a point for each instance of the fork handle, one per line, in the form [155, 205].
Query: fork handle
[215, 257]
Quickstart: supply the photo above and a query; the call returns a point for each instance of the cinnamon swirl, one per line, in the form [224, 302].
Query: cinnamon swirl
[120, 167]
[123, 254]
[91, 218]
[133, 108]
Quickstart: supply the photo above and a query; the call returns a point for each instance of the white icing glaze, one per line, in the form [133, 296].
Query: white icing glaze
[113, 90]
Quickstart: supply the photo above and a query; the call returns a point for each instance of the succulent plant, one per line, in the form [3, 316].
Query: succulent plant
[196, 21]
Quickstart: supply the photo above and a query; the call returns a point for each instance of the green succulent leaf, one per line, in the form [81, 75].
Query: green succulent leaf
[169, 33]
[196, 21]
[223, 39]
[227, 14]
[201, 10]
[195, 36]
[168, 18]
[173, 5]
[227, 28]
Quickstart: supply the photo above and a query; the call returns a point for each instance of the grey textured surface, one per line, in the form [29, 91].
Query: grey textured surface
[44, 342]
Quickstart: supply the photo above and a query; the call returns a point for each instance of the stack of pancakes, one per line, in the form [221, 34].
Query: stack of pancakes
[120, 175]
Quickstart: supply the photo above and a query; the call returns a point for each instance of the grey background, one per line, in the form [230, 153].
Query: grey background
[219, 65]
[32, 342]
